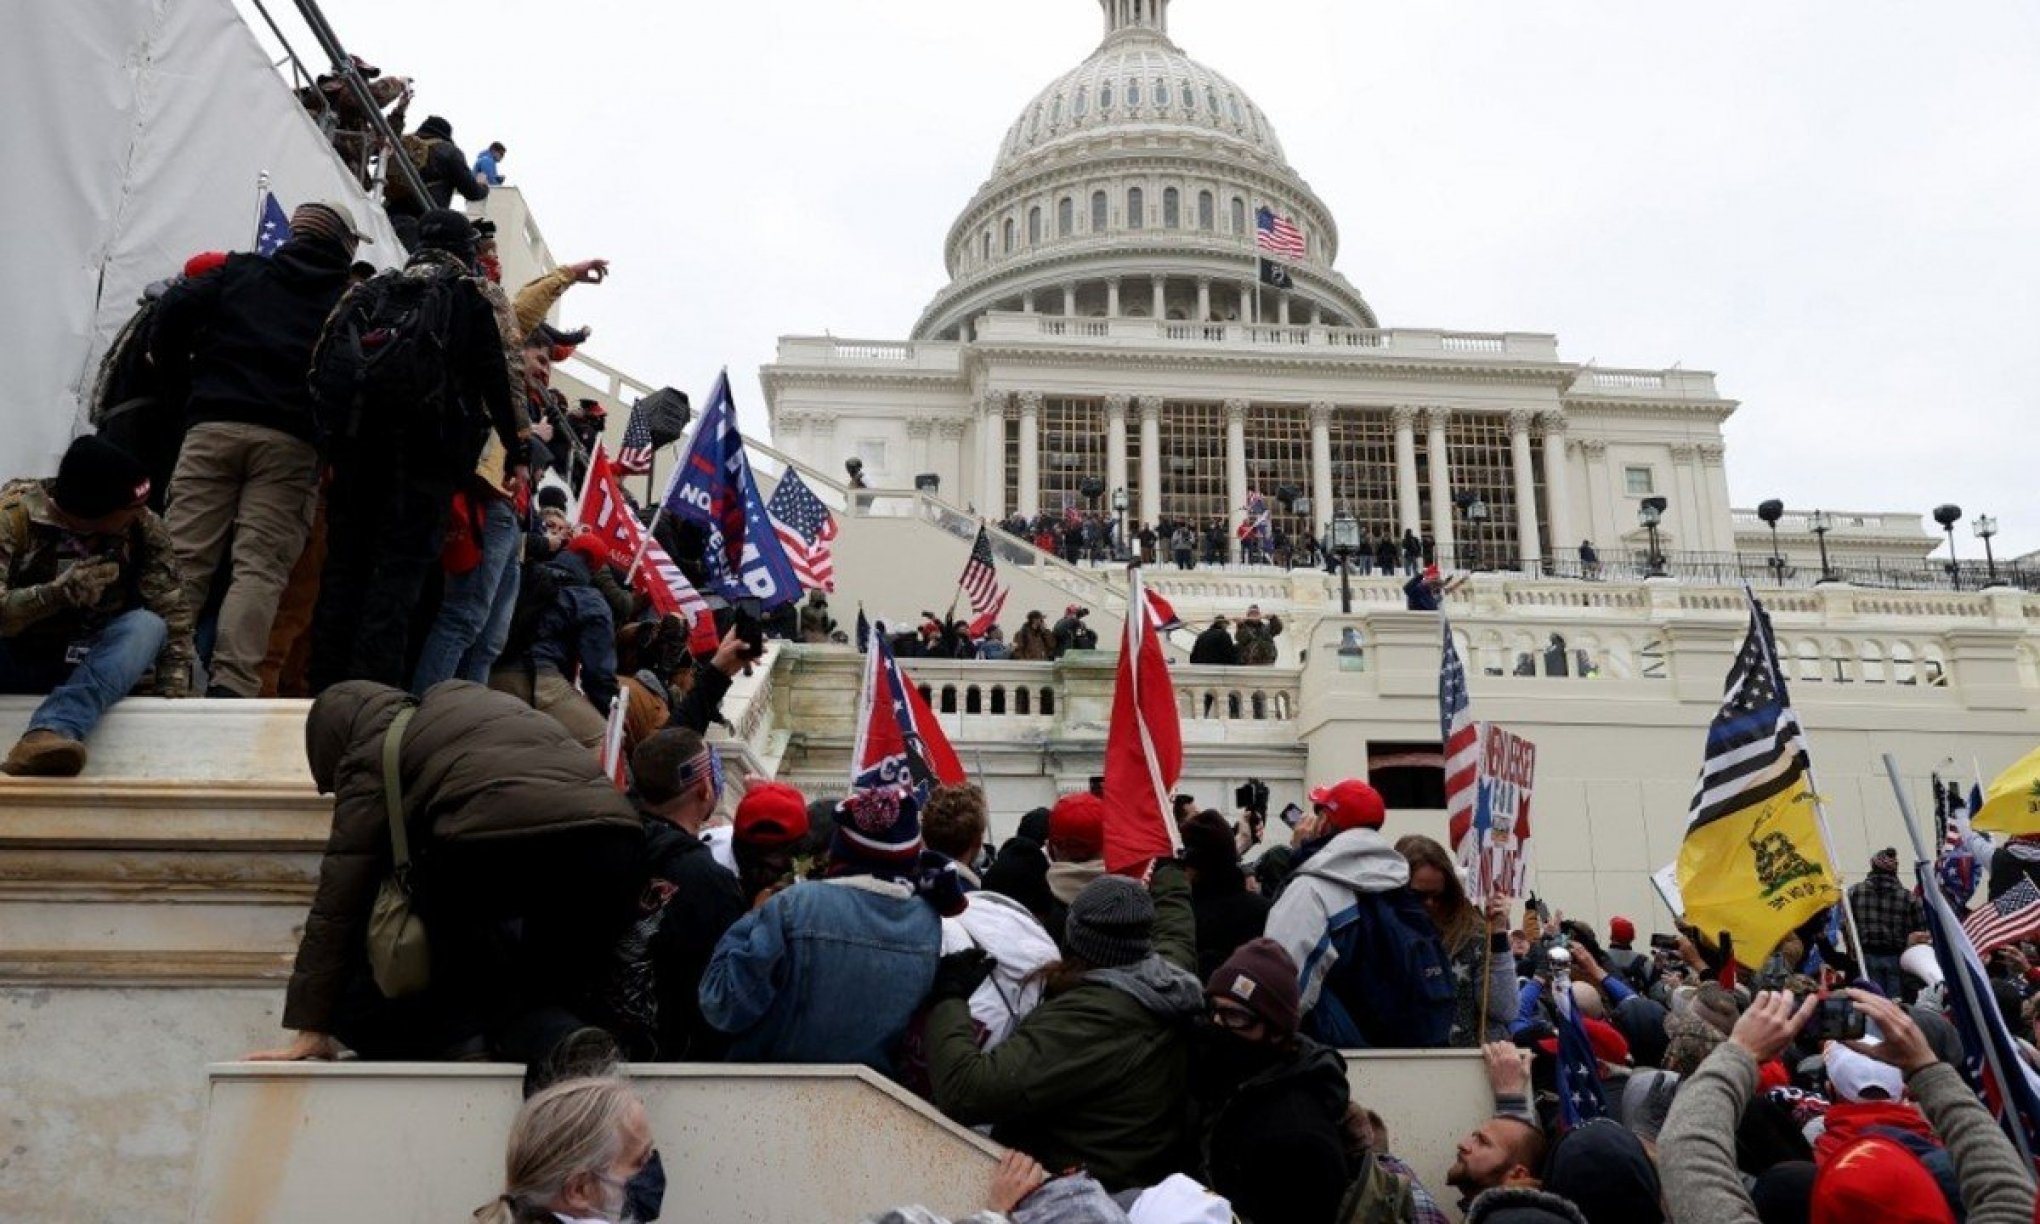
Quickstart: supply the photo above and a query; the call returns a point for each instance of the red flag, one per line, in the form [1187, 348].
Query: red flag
[899, 741]
[1143, 748]
[1161, 613]
[604, 511]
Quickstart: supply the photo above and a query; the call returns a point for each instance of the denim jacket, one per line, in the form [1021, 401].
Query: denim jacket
[828, 971]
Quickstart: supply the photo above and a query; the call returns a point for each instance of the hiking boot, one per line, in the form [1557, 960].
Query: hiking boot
[220, 692]
[584, 1052]
[45, 754]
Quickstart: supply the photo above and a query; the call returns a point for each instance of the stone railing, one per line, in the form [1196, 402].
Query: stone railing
[1001, 326]
[1654, 384]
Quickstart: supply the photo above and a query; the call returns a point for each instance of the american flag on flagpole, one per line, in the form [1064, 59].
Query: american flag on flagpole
[274, 228]
[981, 584]
[1461, 737]
[2010, 918]
[805, 529]
[1277, 236]
[634, 457]
[1581, 1095]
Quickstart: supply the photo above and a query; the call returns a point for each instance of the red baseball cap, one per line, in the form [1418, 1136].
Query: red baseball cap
[1076, 827]
[1621, 929]
[1610, 1046]
[1351, 804]
[772, 814]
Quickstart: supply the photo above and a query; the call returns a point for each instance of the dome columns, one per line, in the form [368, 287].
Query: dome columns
[1235, 473]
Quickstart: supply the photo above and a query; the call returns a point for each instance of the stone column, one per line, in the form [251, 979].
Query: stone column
[1689, 524]
[788, 429]
[1027, 302]
[1235, 472]
[1204, 299]
[1714, 501]
[1030, 453]
[1115, 444]
[1601, 526]
[949, 461]
[1150, 459]
[1246, 302]
[1529, 548]
[1069, 300]
[991, 498]
[1557, 484]
[1282, 308]
[822, 442]
[918, 432]
[1409, 506]
[1322, 498]
[1112, 298]
[1435, 417]
[1161, 302]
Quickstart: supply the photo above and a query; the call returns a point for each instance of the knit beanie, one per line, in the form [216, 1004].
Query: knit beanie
[1208, 843]
[97, 478]
[324, 220]
[879, 827]
[1261, 977]
[443, 229]
[1718, 1006]
[1878, 1179]
[1885, 860]
[1076, 828]
[1784, 1193]
[1692, 1040]
[436, 126]
[204, 262]
[1111, 923]
[591, 548]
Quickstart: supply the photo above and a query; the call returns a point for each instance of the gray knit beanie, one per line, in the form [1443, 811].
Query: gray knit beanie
[1111, 923]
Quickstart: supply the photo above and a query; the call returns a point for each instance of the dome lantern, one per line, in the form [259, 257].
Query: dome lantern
[1136, 15]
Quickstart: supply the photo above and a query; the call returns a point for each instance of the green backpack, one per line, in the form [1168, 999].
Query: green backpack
[1377, 1196]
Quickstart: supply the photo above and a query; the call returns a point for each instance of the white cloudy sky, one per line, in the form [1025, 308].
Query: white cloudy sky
[1830, 203]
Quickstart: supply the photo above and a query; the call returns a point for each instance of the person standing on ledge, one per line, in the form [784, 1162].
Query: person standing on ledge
[1426, 591]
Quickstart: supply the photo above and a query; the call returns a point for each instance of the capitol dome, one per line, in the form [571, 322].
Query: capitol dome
[1129, 187]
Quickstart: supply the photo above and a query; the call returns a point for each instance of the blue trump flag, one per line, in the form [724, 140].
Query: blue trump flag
[274, 229]
[713, 487]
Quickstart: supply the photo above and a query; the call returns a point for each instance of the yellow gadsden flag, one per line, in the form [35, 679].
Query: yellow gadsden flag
[2012, 804]
[1753, 862]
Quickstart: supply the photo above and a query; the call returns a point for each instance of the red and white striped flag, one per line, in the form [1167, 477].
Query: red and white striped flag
[1161, 614]
[1461, 738]
[981, 584]
[604, 511]
[2010, 918]
[1277, 235]
[1143, 747]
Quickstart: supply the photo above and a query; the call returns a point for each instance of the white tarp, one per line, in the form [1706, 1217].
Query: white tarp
[137, 131]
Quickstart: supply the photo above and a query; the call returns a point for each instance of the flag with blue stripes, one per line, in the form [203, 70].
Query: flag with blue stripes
[274, 228]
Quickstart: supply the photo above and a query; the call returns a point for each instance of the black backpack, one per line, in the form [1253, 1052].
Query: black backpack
[1393, 980]
[383, 366]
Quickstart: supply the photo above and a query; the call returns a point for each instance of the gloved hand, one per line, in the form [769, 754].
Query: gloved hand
[81, 585]
[959, 974]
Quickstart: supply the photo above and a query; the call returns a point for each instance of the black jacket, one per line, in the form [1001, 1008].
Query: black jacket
[1227, 915]
[2013, 862]
[705, 902]
[1273, 1144]
[236, 345]
[1214, 647]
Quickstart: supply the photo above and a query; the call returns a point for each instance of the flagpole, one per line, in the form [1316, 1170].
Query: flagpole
[261, 198]
[1136, 629]
[1940, 903]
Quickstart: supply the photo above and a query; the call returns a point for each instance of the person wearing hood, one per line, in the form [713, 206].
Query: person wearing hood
[1254, 638]
[1096, 1075]
[832, 970]
[567, 667]
[1076, 854]
[443, 168]
[2018, 859]
[395, 466]
[529, 862]
[1375, 972]
[1875, 1176]
[1228, 913]
[1214, 647]
[234, 346]
[1035, 643]
[1271, 1102]
[1602, 1168]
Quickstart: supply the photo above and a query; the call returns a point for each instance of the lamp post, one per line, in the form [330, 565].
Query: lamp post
[1986, 527]
[1650, 513]
[1476, 512]
[1947, 516]
[1119, 508]
[1771, 511]
[1820, 524]
[1345, 539]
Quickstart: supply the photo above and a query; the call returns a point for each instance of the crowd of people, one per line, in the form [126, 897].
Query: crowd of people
[1092, 538]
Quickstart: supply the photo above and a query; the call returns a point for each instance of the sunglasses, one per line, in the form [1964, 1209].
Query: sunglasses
[1233, 1019]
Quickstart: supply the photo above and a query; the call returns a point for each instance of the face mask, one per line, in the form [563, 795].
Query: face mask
[1232, 1059]
[645, 1193]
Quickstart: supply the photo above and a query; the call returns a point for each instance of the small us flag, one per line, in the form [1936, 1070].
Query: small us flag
[981, 584]
[634, 457]
[2008, 919]
[1581, 1096]
[1278, 236]
[805, 529]
[1456, 730]
[274, 229]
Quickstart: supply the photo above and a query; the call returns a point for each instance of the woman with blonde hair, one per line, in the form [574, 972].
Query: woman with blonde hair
[1475, 946]
[580, 1151]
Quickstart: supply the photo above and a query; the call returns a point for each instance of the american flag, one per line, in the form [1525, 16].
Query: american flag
[2008, 919]
[1581, 1096]
[805, 529]
[1456, 730]
[634, 457]
[1278, 236]
[274, 228]
[981, 583]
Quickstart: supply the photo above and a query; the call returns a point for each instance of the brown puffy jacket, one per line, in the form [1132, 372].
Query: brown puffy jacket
[475, 764]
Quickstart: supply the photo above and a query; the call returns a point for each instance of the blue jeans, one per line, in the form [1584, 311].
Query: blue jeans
[474, 614]
[115, 660]
[1883, 970]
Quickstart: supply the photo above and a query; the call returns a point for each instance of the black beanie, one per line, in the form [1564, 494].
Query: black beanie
[97, 478]
[435, 126]
[444, 229]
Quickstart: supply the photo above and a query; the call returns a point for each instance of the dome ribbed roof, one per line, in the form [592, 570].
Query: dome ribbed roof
[1139, 79]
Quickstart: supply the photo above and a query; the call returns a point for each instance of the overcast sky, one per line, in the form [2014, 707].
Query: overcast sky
[1829, 203]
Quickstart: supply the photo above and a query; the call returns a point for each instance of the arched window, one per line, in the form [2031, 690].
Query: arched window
[1098, 207]
[1082, 106]
[1105, 96]
[1136, 208]
[1010, 229]
[1033, 226]
[1133, 95]
[1065, 217]
[1239, 215]
[988, 246]
[1206, 211]
[1172, 208]
[1190, 98]
[1161, 94]
[1055, 112]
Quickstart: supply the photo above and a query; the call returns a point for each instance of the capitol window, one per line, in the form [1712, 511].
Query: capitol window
[1136, 208]
[1083, 103]
[1206, 211]
[1098, 207]
[1239, 215]
[988, 246]
[1133, 95]
[1161, 93]
[1105, 96]
[1065, 217]
[1033, 226]
[1009, 231]
[1638, 481]
[1190, 98]
[1232, 106]
[1172, 208]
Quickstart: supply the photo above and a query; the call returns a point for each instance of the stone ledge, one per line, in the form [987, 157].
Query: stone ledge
[103, 969]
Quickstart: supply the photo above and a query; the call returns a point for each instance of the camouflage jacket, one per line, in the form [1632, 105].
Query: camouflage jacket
[35, 549]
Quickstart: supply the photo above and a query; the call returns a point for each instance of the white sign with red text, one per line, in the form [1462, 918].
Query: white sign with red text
[1495, 853]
